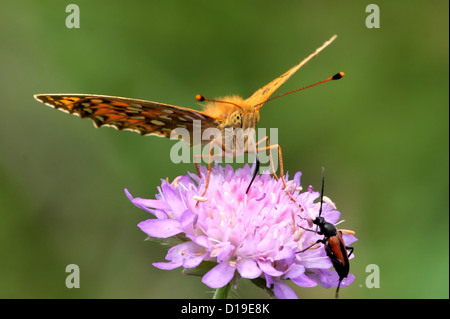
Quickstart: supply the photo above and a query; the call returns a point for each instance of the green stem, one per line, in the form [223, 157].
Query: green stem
[222, 292]
[261, 283]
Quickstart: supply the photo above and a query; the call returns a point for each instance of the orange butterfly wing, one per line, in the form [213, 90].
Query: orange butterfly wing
[144, 117]
[260, 96]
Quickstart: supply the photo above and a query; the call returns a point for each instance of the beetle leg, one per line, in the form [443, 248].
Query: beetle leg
[318, 241]
[351, 250]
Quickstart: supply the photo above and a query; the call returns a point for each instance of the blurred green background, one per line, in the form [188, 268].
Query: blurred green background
[381, 133]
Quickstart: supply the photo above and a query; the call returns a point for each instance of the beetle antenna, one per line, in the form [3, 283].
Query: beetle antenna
[321, 193]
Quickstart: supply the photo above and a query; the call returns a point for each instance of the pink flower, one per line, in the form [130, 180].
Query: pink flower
[254, 235]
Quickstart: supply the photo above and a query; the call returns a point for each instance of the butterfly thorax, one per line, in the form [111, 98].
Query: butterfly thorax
[233, 112]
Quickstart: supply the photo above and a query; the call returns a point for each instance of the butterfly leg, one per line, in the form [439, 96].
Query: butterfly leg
[208, 174]
[197, 167]
[280, 158]
[267, 148]
[211, 157]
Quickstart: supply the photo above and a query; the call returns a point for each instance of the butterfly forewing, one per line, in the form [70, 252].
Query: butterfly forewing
[145, 117]
[266, 91]
[263, 94]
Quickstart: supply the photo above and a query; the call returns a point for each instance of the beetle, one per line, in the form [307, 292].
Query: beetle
[333, 243]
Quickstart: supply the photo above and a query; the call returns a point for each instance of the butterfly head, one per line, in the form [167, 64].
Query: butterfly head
[232, 111]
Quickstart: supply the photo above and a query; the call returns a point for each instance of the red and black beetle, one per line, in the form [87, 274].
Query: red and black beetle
[333, 242]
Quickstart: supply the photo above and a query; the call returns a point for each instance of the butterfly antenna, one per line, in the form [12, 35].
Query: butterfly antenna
[201, 98]
[337, 76]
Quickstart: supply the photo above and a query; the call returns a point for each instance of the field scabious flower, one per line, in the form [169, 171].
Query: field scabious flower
[253, 235]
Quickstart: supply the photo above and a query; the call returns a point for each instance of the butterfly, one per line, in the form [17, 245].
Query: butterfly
[155, 118]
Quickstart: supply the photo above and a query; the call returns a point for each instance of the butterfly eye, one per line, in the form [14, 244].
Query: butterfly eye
[236, 119]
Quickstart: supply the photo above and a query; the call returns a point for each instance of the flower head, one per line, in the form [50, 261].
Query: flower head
[254, 234]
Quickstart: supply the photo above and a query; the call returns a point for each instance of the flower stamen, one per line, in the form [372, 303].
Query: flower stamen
[199, 198]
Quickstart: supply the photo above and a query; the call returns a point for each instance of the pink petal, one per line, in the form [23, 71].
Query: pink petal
[219, 276]
[167, 266]
[248, 268]
[161, 228]
[266, 267]
[173, 199]
[348, 281]
[304, 281]
[283, 291]
[158, 205]
[193, 261]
